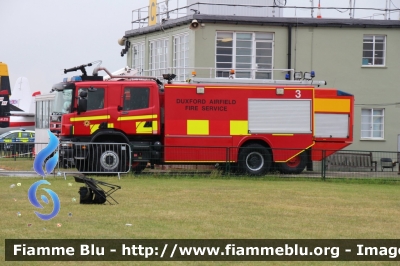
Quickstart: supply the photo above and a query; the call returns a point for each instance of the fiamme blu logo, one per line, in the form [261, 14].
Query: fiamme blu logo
[49, 165]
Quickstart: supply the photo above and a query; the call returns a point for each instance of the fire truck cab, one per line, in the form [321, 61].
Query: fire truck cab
[252, 125]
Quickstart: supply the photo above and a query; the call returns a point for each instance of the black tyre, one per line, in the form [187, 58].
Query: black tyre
[82, 165]
[254, 159]
[110, 158]
[138, 167]
[295, 165]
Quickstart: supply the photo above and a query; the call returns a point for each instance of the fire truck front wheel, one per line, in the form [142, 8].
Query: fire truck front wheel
[254, 159]
[295, 165]
[110, 159]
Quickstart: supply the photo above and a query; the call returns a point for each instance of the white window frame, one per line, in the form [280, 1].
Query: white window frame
[235, 56]
[366, 53]
[138, 53]
[158, 57]
[42, 119]
[368, 121]
[181, 56]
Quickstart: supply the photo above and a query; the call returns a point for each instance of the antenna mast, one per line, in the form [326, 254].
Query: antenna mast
[387, 13]
[319, 9]
[352, 8]
[312, 8]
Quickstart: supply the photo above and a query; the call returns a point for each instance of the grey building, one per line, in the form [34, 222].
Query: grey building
[361, 57]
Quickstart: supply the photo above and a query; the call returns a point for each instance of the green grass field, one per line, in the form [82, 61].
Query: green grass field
[206, 207]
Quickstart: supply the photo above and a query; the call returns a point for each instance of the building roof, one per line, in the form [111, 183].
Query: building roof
[266, 21]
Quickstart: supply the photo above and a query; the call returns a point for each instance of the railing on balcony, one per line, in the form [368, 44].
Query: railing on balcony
[185, 73]
[173, 9]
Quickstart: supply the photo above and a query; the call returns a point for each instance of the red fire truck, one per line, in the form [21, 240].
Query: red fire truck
[249, 124]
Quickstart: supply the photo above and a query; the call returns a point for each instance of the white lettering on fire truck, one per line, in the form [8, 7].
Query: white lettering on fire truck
[214, 104]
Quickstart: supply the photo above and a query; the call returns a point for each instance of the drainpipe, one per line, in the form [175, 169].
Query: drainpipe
[289, 53]
[309, 164]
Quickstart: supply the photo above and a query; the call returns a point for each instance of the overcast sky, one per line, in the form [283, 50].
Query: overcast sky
[39, 38]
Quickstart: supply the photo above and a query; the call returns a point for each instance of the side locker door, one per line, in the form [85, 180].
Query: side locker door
[136, 116]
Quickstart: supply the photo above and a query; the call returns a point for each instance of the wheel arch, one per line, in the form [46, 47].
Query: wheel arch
[255, 141]
[104, 136]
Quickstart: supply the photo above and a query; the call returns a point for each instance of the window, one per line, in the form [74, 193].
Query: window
[136, 98]
[374, 47]
[39, 114]
[25, 135]
[224, 54]
[95, 98]
[181, 56]
[12, 135]
[62, 101]
[158, 57]
[249, 53]
[372, 121]
[42, 118]
[244, 48]
[46, 114]
[138, 58]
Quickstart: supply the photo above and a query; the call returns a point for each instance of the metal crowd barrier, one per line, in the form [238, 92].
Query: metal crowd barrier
[116, 158]
[14, 150]
[95, 158]
[92, 158]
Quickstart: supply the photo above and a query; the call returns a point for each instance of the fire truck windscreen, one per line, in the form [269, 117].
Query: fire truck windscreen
[63, 101]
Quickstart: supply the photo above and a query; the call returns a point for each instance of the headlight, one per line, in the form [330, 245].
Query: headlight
[66, 144]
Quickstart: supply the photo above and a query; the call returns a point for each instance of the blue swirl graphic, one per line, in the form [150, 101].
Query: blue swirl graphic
[32, 198]
[43, 154]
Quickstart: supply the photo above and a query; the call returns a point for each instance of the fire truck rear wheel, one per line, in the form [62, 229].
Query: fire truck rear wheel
[254, 159]
[295, 165]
